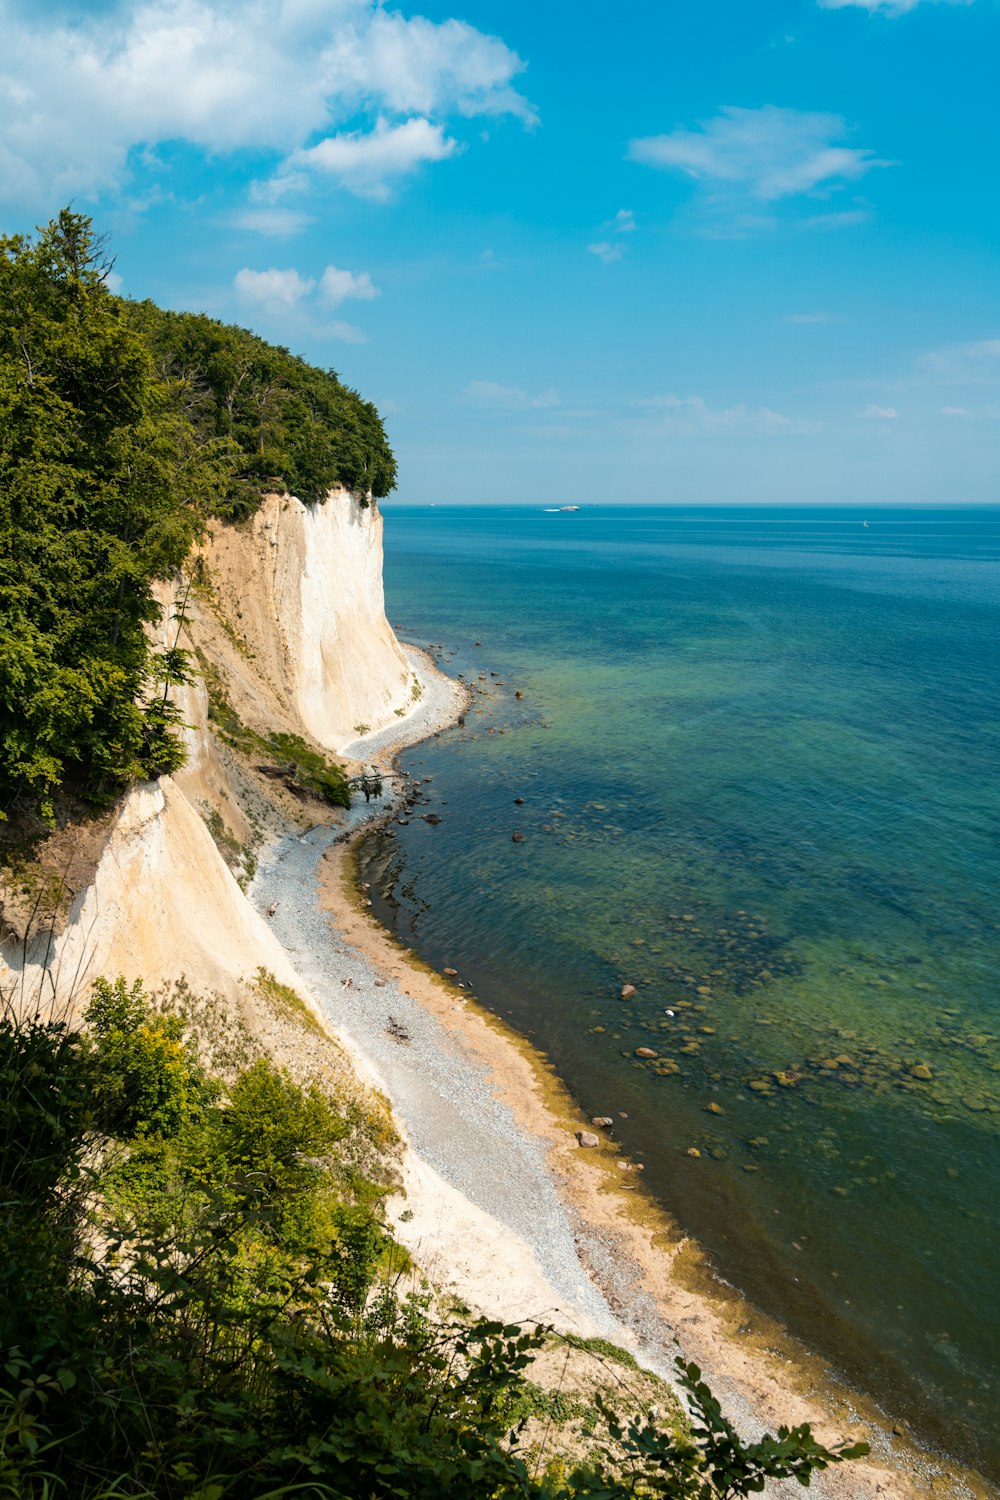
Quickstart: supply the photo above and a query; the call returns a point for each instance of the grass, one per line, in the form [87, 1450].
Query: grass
[309, 770]
[284, 1000]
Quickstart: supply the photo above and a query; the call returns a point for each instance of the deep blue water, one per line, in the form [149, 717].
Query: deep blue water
[758, 752]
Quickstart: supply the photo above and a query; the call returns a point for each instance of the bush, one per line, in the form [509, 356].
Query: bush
[144, 1080]
[235, 1335]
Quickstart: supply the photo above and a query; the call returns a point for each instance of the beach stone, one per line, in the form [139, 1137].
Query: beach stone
[451, 973]
[602, 1120]
[921, 1070]
[431, 817]
[518, 801]
[714, 1109]
[587, 1138]
[626, 992]
[645, 1052]
[519, 694]
[517, 837]
[380, 984]
[692, 1151]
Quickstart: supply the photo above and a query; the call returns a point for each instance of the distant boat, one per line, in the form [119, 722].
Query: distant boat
[555, 510]
[569, 507]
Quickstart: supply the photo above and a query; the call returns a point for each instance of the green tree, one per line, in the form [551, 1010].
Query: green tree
[104, 480]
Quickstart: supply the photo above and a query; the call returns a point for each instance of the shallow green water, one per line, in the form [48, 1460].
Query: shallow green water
[758, 754]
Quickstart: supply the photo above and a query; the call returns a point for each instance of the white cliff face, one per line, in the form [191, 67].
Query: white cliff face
[298, 593]
[303, 587]
[162, 905]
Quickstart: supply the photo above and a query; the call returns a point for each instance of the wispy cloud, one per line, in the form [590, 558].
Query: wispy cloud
[280, 223]
[624, 222]
[489, 396]
[883, 7]
[606, 252]
[771, 153]
[224, 76]
[976, 362]
[751, 164]
[693, 415]
[880, 413]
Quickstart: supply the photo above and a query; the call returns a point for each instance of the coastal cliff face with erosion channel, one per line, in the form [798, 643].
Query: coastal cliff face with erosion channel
[292, 656]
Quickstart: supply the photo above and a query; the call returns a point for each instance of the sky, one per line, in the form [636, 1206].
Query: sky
[677, 251]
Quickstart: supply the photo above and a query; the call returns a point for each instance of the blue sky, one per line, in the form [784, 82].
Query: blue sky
[731, 250]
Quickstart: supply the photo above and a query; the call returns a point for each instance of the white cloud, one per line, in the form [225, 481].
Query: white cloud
[976, 362]
[883, 7]
[273, 289]
[296, 301]
[282, 223]
[606, 251]
[84, 97]
[954, 411]
[767, 154]
[362, 163]
[489, 396]
[337, 286]
[692, 415]
[624, 221]
[880, 413]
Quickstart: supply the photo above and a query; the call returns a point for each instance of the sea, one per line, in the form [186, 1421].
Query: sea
[752, 756]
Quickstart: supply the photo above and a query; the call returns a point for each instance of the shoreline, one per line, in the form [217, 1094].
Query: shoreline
[582, 1245]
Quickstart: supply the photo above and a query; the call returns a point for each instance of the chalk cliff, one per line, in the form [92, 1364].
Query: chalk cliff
[287, 620]
[301, 586]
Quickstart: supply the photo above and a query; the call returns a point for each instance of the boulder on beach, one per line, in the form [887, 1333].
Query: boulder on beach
[587, 1138]
[626, 992]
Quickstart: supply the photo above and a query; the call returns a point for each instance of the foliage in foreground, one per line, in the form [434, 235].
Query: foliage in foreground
[197, 1301]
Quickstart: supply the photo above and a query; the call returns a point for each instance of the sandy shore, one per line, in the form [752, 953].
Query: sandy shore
[503, 1208]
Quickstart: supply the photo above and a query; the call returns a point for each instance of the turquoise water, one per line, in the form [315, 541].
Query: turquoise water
[758, 754]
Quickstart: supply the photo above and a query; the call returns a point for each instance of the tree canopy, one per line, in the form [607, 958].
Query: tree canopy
[297, 428]
[104, 482]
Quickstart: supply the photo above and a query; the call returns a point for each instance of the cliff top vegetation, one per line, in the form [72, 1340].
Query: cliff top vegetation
[123, 430]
